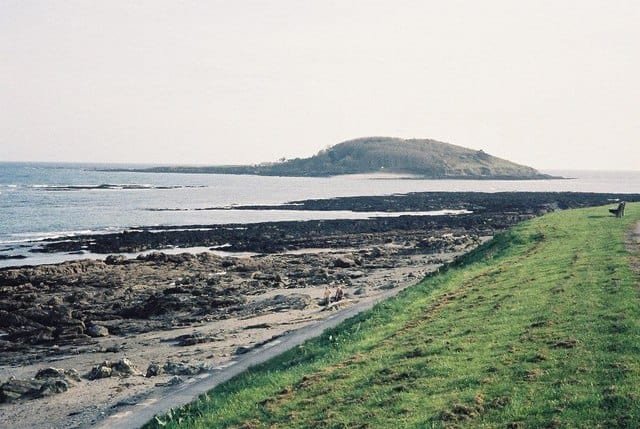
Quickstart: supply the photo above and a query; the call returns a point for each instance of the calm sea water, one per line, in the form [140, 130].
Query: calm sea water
[46, 200]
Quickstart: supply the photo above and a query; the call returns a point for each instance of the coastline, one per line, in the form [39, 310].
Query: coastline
[253, 171]
[254, 308]
[473, 210]
[189, 314]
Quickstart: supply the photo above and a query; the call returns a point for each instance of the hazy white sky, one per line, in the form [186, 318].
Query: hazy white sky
[552, 84]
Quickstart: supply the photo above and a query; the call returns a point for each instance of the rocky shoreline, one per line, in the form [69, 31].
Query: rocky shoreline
[128, 327]
[490, 212]
[478, 202]
[71, 303]
[114, 330]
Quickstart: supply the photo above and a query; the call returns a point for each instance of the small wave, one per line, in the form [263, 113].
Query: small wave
[31, 237]
[167, 210]
[159, 230]
[221, 246]
[111, 186]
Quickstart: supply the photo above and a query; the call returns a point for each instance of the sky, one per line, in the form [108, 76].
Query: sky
[551, 84]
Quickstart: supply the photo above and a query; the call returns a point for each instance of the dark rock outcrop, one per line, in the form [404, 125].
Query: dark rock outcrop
[47, 382]
[122, 368]
[180, 368]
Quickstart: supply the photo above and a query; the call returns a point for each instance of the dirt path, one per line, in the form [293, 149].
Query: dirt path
[136, 415]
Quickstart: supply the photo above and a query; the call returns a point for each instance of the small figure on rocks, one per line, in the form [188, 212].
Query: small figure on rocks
[339, 294]
[327, 295]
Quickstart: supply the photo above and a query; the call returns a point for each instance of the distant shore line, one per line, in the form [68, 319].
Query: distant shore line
[253, 171]
[482, 212]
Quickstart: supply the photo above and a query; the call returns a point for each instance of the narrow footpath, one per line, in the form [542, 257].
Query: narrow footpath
[136, 415]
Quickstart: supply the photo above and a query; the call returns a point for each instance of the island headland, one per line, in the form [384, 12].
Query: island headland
[423, 158]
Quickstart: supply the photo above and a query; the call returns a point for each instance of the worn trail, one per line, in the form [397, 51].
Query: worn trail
[133, 416]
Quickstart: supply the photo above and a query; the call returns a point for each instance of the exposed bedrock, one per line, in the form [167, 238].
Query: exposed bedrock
[491, 211]
[74, 304]
[51, 309]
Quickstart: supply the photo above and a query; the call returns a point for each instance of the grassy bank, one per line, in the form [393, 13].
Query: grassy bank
[539, 328]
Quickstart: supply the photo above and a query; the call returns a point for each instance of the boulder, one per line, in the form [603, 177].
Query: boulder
[246, 265]
[97, 330]
[272, 277]
[355, 274]
[65, 374]
[114, 259]
[47, 382]
[344, 262]
[153, 370]
[294, 301]
[70, 329]
[175, 380]
[160, 257]
[179, 368]
[153, 257]
[14, 389]
[124, 367]
[52, 387]
[100, 371]
[50, 373]
[193, 339]
[242, 350]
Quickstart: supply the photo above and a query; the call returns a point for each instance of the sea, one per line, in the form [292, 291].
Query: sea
[46, 200]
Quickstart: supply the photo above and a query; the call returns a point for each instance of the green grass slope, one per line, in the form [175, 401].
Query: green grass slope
[539, 328]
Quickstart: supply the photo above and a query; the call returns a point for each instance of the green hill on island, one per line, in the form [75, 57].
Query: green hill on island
[421, 157]
[539, 328]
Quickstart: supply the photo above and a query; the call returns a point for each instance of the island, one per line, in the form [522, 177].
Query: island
[423, 158]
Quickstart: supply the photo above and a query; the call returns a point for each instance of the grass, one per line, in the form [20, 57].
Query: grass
[538, 328]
